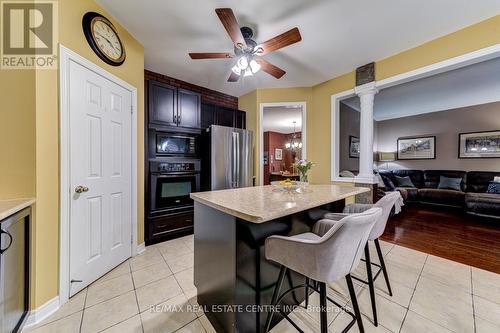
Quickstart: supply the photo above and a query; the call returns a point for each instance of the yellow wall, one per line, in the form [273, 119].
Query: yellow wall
[17, 133]
[251, 101]
[46, 233]
[472, 38]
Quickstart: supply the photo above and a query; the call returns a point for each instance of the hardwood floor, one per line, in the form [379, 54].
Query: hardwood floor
[448, 234]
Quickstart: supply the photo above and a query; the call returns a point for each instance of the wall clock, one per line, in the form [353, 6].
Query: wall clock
[103, 38]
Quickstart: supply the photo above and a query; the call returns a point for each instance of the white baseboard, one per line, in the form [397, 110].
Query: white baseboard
[35, 316]
[140, 248]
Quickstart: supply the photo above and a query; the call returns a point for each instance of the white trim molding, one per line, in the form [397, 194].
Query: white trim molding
[260, 148]
[335, 135]
[467, 59]
[67, 56]
[35, 316]
[140, 248]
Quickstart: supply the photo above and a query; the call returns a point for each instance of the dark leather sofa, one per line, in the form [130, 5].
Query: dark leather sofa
[472, 197]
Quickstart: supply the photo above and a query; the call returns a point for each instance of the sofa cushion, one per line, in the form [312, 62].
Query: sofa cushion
[450, 183]
[494, 187]
[483, 203]
[404, 181]
[478, 181]
[441, 196]
[389, 185]
[408, 193]
[416, 176]
[433, 177]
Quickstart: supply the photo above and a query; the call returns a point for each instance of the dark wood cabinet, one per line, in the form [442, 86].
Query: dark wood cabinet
[162, 104]
[240, 120]
[189, 106]
[207, 115]
[225, 117]
[175, 107]
[218, 115]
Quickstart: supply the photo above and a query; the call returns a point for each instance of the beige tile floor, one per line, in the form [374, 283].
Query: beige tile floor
[431, 294]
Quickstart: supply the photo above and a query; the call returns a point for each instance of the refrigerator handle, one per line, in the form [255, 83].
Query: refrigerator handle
[233, 160]
[238, 160]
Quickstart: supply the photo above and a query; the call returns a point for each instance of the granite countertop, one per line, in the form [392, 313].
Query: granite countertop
[263, 203]
[10, 207]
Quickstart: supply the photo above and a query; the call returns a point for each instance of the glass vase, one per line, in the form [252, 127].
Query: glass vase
[303, 177]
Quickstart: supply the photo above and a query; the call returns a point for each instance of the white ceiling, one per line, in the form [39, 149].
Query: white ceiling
[337, 35]
[471, 85]
[280, 119]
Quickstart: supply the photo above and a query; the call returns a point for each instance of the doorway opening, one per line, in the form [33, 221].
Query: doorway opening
[283, 140]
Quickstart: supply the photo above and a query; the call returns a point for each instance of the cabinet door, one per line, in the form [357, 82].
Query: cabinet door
[240, 119]
[188, 114]
[207, 115]
[225, 117]
[162, 104]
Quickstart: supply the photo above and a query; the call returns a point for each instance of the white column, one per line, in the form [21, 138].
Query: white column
[366, 95]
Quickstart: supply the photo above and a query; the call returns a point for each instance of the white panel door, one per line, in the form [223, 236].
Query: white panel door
[100, 168]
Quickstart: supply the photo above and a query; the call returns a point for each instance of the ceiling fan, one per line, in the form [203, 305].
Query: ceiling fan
[246, 50]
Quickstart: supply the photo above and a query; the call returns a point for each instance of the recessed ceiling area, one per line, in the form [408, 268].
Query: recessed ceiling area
[337, 36]
[280, 119]
[471, 85]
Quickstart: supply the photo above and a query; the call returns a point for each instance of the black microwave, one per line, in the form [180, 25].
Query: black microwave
[170, 144]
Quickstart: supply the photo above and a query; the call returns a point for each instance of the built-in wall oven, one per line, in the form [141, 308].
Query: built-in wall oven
[172, 181]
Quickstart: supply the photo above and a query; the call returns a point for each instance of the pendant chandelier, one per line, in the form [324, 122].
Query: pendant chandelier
[294, 142]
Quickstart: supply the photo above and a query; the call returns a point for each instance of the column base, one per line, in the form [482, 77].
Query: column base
[367, 197]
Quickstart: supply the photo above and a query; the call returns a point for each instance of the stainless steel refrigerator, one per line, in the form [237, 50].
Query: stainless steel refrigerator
[227, 158]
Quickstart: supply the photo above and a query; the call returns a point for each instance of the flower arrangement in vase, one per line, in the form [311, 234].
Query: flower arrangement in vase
[303, 166]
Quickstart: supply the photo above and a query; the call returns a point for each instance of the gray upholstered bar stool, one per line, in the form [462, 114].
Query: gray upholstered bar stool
[385, 203]
[329, 253]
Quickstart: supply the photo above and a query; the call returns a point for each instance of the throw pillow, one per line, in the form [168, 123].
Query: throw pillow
[380, 182]
[347, 173]
[493, 187]
[389, 185]
[450, 183]
[404, 181]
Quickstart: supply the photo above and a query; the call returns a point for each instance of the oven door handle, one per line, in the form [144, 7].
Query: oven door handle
[173, 175]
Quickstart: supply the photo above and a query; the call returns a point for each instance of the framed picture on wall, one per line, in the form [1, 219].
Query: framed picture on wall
[417, 148]
[353, 146]
[479, 145]
[278, 154]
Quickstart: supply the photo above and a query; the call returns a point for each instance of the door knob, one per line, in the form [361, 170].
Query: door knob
[81, 189]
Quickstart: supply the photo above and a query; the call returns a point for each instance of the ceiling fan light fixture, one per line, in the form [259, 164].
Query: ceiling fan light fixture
[254, 66]
[248, 72]
[236, 70]
[242, 63]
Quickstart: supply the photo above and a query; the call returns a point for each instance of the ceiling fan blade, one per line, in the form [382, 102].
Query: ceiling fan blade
[208, 55]
[233, 77]
[290, 37]
[271, 69]
[229, 22]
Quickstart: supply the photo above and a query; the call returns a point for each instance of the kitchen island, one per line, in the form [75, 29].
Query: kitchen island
[231, 274]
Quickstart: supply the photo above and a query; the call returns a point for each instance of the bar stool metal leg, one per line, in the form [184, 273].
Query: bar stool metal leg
[307, 292]
[274, 300]
[354, 302]
[323, 307]
[382, 263]
[371, 285]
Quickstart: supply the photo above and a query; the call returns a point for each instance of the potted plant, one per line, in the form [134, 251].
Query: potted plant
[303, 166]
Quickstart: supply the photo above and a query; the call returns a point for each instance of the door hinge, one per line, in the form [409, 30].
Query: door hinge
[75, 281]
[132, 109]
